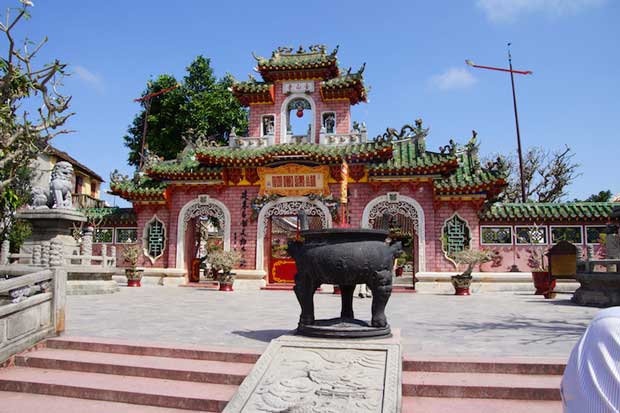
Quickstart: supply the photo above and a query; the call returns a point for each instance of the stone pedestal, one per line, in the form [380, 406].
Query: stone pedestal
[52, 225]
[598, 290]
[302, 374]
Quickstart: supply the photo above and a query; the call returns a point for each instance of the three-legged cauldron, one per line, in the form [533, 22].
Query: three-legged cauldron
[344, 257]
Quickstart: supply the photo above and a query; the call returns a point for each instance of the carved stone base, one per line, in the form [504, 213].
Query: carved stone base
[598, 290]
[343, 328]
[301, 374]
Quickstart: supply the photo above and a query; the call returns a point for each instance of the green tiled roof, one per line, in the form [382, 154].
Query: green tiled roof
[409, 158]
[583, 211]
[252, 86]
[145, 190]
[343, 81]
[363, 152]
[462, 181]
[188, 168]
[286, 59]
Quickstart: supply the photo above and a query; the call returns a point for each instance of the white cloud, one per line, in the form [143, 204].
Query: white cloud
[508, 10]
[453, 78]
[93, 79]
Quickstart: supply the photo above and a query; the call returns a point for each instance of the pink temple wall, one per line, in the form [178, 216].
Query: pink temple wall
[341, 107]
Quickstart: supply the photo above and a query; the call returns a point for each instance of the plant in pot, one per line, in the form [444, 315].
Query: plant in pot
[471, 258]
[222, 262]
[130, 256]
[400, 266]
[540, 275]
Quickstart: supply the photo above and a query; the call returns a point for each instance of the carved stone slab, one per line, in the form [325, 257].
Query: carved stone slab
[305, 375]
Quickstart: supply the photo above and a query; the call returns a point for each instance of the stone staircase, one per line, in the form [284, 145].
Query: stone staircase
[99, 375]
[464, 385]
[92, 375]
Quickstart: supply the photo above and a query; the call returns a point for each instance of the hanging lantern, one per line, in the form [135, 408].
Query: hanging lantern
[300, 110]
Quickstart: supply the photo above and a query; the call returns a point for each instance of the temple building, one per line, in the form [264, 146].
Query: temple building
[304, 152]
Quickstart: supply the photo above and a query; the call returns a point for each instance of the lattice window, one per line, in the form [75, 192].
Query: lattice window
[268, 125]
[456, 236]
[103, 235]
[155, 239]
[531, 235]
[594, 232]
[571, 234]
[328, 121]
[126, 235]
[496, 235]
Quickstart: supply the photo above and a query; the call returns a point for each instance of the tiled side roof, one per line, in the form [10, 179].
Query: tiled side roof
[147, 190]
[408, 158]
[112, 216]
[253, 91]
[462, 181]
[350, 85]
[356, 153]
[583, 211]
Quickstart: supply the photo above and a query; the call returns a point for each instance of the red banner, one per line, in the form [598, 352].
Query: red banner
[282, 270]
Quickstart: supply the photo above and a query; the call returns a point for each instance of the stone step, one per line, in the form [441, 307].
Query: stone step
[125, 389]
[543, 366]
[481, 385]
[103, 345]
[38, 403]
[464, 405]
[204, 371]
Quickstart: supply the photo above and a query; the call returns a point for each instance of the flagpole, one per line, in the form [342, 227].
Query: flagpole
[514, 104]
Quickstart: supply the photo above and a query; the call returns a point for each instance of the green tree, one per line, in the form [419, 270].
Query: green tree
[201, 106]
[23, 85]
[602, 196]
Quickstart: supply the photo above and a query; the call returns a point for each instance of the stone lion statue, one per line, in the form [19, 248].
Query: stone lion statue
[59, 193]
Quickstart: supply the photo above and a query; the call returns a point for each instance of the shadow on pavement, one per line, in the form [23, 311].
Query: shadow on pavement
[262, 335]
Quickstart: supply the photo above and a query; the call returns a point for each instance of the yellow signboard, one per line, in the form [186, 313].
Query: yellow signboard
[294, 180]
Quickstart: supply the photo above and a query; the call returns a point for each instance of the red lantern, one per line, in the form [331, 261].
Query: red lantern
[300, 113]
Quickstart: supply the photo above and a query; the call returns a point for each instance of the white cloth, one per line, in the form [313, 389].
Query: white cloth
[591, 382]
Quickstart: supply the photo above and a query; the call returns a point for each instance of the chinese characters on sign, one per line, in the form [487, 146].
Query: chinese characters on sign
[244, 223]
[297, 87]
[293, 180]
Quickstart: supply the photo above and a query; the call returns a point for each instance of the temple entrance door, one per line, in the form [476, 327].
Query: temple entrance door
[281, 229]
[402, 229]
[204, 235]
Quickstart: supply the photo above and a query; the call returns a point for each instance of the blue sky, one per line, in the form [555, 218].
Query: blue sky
[414, 50]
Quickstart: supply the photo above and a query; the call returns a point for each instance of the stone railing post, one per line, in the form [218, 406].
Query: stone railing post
[4, 252]
[104, 253]
[45, 253]
[87, 243]
[113, 256]
[59, 298]
[36, 254]
[56, 254]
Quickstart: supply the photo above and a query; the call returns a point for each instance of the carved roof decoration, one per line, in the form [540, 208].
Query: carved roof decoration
[139, 190]
[286, 64]
[549, 212]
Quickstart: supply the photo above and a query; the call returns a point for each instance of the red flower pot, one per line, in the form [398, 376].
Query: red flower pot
[461, 291]
[133, 283]
[226, 287]
[399, 271]
[337, 289]
[542, 282]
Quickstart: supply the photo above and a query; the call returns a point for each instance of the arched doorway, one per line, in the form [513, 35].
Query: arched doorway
[294, 128]
[279, 216]
[197, 220]
[406, 215]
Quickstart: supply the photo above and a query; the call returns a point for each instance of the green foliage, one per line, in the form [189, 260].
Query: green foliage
[201, 106]
[130, 255]
[17, 234]
[602, 196]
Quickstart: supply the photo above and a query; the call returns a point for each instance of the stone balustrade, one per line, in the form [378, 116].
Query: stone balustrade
[250, 141]
[336, 139]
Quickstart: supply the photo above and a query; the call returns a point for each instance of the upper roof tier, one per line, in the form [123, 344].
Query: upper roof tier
[284, 64]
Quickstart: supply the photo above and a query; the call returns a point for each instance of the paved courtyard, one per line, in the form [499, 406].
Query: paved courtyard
[489, 324]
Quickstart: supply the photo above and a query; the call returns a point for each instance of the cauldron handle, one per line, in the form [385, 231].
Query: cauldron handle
[303, 220]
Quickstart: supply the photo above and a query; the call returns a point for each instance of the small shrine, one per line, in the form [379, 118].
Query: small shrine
[304, 152]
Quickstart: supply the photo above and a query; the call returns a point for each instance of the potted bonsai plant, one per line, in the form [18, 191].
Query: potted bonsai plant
[222, 262]
[462, 282]
[542, 281]
[130, 256]
[400, 266]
